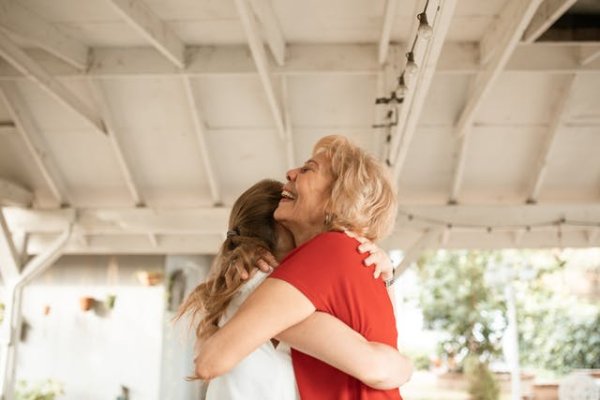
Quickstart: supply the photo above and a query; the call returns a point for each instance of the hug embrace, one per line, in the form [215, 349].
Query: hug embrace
[314, 320]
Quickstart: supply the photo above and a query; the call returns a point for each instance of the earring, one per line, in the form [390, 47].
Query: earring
[328, 219]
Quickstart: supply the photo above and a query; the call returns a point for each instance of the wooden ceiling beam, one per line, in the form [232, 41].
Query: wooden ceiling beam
[20, 60]
[505, 36]
[140, 17]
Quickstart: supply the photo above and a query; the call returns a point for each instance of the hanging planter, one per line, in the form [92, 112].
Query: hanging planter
[86, 303]
[150, 278]
[109, 302]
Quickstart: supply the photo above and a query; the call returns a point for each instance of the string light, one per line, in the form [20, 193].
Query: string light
[411, 68]
[559, 224]
[425, 30]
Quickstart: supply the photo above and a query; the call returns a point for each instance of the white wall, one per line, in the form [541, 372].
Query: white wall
[93, 353]
[178, 339]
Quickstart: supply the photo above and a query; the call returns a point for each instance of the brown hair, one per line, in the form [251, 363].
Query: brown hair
[251, 233]
[363, 197]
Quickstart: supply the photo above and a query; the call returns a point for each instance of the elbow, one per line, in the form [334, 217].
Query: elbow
[203, 371]
[386, 376]
[207, 367]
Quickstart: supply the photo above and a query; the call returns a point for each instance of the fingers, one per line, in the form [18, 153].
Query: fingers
[355, 236]
[263, 265]
[241, 271]
[270, 259]
[368, 247]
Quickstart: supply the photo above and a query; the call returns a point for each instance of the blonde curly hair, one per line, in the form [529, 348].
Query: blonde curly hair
[363, 197]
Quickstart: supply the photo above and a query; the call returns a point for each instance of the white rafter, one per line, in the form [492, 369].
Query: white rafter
[9, 257]
[34, 141]
[155, 31]
[588, 53]
[13, 194]
[440, 15]
[386, 30]
[287, 115]
[341, 59]
[200, 130]
[19, 21]
[559, 116]
[548, 12]
[412, 254]
[271, 28]
[262, 63]
[507, 32]
[592, 236]
[28, 67]
[115, 143]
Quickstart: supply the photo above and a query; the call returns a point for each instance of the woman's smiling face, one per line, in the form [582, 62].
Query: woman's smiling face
[304, 198]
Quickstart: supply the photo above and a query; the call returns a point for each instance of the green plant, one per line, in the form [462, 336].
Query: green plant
[43, 390]
[455, 300]
[558, 332]
[481, 381]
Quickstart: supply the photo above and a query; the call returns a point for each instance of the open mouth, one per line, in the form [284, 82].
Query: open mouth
[286, 195]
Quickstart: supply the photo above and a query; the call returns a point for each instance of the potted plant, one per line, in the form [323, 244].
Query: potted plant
[150, 278]
[110, 301]
[44, 390]
[86, 303]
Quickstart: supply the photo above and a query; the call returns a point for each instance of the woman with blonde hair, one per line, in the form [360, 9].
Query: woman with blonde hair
[252, 233]
[339, 188]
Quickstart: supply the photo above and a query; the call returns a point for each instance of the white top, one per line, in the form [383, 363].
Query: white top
[265, 374]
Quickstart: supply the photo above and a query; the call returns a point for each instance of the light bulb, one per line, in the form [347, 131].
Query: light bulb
[411, 67]
[425, 30]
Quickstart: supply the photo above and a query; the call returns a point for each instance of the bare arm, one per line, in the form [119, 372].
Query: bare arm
[330, 340]
[273, 307]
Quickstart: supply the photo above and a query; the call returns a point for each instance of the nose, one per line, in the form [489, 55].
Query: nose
[291, 174]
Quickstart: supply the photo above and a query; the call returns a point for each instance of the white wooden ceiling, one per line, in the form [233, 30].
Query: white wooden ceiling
[141, 121]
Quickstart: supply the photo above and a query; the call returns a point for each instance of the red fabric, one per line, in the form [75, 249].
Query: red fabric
[328, 270]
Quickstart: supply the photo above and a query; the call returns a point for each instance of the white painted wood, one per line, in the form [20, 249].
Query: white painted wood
[559, 116]
[592, 236]
[506, 34]
[13, 316]
[312, 59]
[44, 260]
[289, 133]
[548, 12]
[426, 240]
[200, 131]
[588, 54]
[518, 236]
[512, 22]
[445, 237]
[386, 30]
[213, 221]
[34, 141]
[9, 257]
[153, 240]
[262, 64]
[136, 244]
[20, 21]
[115, 142]
[13, 194]
[499, 217]
[441, 17]
[271, 28]
[210, 220]
[27, 66]
[155, 31]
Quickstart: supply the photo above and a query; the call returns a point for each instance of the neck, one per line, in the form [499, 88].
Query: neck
[304, 235]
